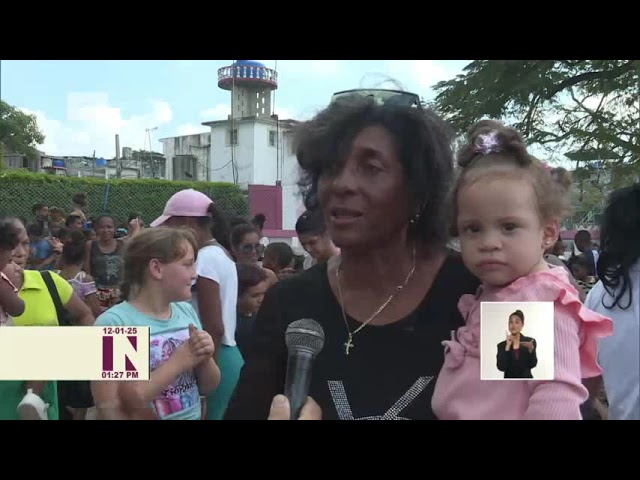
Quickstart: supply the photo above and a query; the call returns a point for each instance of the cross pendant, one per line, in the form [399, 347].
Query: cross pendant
[348, 345]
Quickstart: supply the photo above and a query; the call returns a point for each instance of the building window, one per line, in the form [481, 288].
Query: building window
[232, 137]
[272, 138]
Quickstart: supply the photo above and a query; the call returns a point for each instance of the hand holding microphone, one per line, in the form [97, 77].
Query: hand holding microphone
[304, 339]
[280, 409]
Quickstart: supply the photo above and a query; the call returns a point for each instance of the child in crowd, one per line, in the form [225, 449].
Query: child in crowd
[580, 269]
[159, 271]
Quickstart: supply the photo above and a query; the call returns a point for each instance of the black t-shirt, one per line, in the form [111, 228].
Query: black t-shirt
[244, 332]
[389, 374]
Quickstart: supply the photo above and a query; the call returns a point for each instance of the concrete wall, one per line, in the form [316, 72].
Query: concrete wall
[220, 160]
[197, 145]
[265, 165]
[250, 102]
[256, 159]
[292, 205]
[266, 170]
[16, 160]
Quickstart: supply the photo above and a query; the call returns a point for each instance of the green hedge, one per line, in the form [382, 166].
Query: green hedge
[20, 190]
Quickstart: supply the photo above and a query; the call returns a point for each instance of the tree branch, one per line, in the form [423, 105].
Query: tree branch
[554, 137]
[588, 76]
[528, 119]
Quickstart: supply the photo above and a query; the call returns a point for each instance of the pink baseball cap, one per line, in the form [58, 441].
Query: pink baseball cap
[185, 203]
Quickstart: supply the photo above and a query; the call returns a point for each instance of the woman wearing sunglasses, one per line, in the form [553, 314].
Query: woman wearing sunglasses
[379, 166]
[246, 248]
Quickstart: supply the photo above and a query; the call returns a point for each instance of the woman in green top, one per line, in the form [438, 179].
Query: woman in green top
[37, 400]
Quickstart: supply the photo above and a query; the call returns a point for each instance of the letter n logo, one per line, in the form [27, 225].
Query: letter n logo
[126, 349]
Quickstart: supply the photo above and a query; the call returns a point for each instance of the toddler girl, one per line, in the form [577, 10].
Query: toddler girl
[508, 206]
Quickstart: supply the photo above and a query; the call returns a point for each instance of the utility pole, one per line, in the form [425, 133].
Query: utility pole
[118, 164]
[151, 161]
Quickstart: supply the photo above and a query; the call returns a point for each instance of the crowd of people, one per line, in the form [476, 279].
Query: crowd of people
[402, 249]
[85, 258]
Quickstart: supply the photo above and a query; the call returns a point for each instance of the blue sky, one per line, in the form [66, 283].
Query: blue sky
[81, 105]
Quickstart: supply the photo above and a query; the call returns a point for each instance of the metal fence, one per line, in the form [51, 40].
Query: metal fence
[119, 198]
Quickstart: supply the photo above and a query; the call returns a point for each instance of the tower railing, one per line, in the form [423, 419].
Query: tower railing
[246, 72]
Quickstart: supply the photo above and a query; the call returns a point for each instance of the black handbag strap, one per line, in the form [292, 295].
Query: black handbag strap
[61, 312]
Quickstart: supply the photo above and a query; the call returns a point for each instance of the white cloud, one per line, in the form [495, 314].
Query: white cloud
[318, 68]
[428, 72]
[286, 113]
[92, 123]
[191, 129]
[325, 67]
[418, 73]
[219, 112]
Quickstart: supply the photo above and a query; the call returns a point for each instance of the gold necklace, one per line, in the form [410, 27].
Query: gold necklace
[348, 345]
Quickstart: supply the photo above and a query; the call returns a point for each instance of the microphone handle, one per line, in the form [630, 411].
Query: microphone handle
[296, 388]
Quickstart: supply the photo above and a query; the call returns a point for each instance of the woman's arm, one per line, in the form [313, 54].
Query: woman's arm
[9, 299]
[263, 374]
[94, 304]
[134, 229]
[80, 311]
[210, 309]
[41, 262]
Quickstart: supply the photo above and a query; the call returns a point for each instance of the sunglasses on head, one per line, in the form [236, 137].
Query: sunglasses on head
[383, 96]
[251, 247]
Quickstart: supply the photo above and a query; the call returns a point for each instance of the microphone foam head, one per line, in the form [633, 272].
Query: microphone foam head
[306, 334]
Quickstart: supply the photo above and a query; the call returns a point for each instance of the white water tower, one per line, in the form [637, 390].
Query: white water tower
[250, 84]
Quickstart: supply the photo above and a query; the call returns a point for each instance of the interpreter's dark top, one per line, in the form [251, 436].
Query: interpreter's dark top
[389, 374]
[517, 363]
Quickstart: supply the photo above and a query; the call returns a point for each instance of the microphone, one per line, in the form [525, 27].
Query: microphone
[304, 339]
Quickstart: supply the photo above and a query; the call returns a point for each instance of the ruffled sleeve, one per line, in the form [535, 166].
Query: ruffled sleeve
[593, 327]
[553, 286]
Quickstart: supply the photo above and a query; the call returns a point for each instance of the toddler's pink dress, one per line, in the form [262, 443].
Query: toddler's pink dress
[461, 395]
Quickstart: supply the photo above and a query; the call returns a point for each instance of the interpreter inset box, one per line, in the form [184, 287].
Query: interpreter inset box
[517, 341]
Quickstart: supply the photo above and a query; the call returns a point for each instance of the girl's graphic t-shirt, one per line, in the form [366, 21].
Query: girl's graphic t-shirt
[181, 399]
